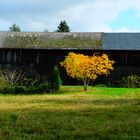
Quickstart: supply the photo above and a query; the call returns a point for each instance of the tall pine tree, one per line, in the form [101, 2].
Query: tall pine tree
[63, 27]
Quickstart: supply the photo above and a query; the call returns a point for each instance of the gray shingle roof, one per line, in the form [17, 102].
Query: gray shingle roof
[121, 41]
[54, 40]
[50, 40]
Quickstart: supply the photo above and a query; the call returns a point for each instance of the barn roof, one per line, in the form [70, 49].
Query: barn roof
[121, 41]
[49, 40]
[54, 40]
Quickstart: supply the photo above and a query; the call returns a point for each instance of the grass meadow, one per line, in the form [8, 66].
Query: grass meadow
[72, 114]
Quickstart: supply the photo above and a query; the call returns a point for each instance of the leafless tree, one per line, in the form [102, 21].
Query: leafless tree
[12, 77]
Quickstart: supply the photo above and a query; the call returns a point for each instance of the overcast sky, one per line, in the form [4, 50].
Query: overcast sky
[81, 15]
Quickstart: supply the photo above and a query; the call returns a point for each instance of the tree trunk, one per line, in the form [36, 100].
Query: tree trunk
[85, 87]
[86, 83]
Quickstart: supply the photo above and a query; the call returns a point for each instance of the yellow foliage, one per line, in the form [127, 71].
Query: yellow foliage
[85, 67]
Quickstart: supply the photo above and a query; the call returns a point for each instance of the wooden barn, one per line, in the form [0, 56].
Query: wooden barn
[37, 53]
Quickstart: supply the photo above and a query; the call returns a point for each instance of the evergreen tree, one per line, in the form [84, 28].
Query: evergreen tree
[63, 27]
[55, 80]
[46, 30]
[14, 28]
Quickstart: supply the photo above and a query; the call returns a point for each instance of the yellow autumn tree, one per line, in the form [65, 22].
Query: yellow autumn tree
[87, 68]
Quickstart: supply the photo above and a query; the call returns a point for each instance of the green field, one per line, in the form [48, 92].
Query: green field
[97, 114]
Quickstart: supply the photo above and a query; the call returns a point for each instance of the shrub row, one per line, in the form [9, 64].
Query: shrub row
[41, 88]
[132, 81]
[16, 82]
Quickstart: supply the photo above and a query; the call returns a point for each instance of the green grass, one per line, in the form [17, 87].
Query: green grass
[97, 114]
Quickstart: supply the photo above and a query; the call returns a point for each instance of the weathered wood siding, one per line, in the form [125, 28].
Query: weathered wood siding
[39, 62]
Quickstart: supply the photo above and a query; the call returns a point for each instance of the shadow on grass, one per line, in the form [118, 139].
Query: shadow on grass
[88, 101]
[72, 117]
[57, 122]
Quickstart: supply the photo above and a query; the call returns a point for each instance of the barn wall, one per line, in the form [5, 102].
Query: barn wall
[40, 63]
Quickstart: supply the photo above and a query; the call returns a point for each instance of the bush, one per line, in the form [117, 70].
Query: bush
[3, 83]
[41, 88]
[19, 89]
[31, 90]
[12, 77]
[8, 90]
[12, 90]
[29, 81]
[55, 81]
[44, 87]
[16, 82]
[131, 81]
